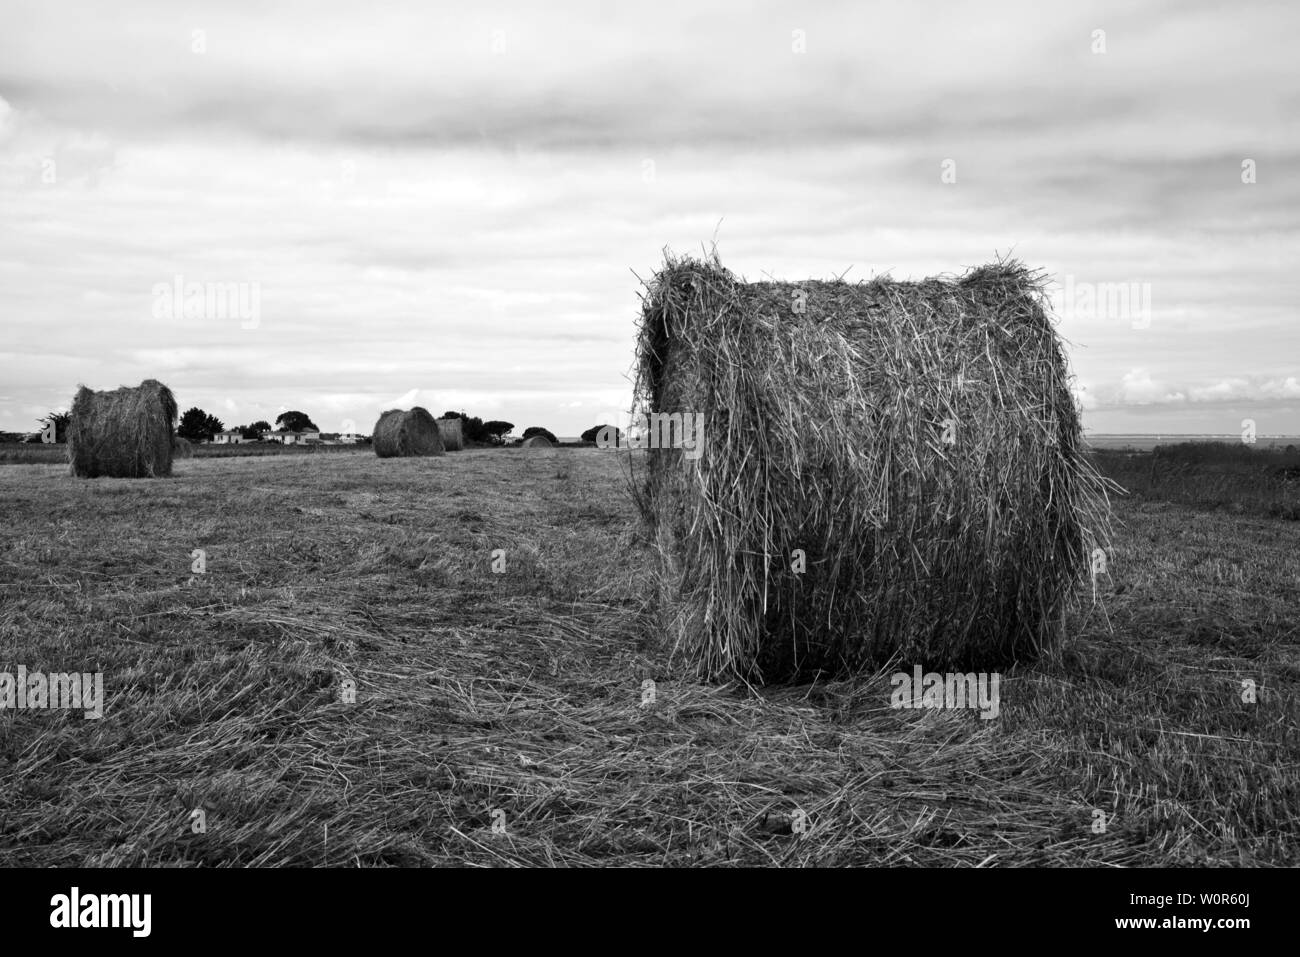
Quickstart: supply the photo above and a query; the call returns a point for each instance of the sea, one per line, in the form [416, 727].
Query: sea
[1145, 442]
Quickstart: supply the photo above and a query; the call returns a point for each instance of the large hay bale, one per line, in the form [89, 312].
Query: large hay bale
[917, 442]
[399, 433]
[125, 433]
[453, 436]
[536, 442]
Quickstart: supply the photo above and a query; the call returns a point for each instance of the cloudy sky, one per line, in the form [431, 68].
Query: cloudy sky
[451, 209]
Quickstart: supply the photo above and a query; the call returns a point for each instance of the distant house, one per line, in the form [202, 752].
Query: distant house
[290, 437]
[229, 437]
[350, 438]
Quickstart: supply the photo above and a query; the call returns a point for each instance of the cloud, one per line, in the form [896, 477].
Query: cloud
[404, 401]
[427, 209]
[1238, 389]
[1084, 398]
[1289, 388]
[1138, 388]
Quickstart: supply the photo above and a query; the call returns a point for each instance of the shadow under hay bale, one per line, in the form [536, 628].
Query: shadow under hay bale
[453, 435]
[889, 469]
[123, 433]
[403, 434]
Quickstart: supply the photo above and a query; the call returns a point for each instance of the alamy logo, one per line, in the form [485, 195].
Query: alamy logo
[1122, 301]
[934, 690]
[657, 430]
[102, 910]
[32, 690]
[209, 300]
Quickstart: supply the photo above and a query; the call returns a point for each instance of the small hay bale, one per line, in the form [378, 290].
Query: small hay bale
[536, 442]
[452, 432]
[125, 433]
[403, 434]
[916, 442]
[181, 448]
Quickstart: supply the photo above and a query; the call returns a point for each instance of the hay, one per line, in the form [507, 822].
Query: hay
[536, 442]
[399, 433]
[452, 432]
[825, 408]
[181, 448]
[125, 433]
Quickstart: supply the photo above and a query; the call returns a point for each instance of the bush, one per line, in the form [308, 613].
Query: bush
[591, 434]
[538, 430]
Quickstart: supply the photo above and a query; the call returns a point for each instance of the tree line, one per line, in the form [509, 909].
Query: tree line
[196, 425]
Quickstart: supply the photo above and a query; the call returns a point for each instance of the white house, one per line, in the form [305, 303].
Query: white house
[229, 437]
[289, 437]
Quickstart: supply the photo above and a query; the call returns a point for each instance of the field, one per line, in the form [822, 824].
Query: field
[533, 717]
[33, 454]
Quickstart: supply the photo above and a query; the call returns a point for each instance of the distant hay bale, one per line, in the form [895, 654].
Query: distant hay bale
[401, 434]
[536, 442]
[889, 470]
[181, 448]
[125, 433]
[453, 438]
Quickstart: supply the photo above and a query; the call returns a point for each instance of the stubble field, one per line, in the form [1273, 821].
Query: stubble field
[504, 718]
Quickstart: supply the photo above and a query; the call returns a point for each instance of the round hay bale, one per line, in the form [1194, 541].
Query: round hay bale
[452, 432]
[124, 433]
[181, 448]
[536, 442]
[887, 469]
[402, 434]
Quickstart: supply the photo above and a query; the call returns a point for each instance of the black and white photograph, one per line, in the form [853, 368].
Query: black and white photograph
[853, 436]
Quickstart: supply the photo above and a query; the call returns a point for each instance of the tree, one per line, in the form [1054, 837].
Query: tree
[256, 429]
[592, 433]
[296, 422]
[197, 426]
[59, 420]
[498, 430]
[538, 430]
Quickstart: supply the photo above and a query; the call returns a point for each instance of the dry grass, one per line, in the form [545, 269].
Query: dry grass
[124, 433]
[523, 692]
[23, 454]
[916, 442]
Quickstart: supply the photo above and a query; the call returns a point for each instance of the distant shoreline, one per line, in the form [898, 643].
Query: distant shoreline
[1144, 441]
